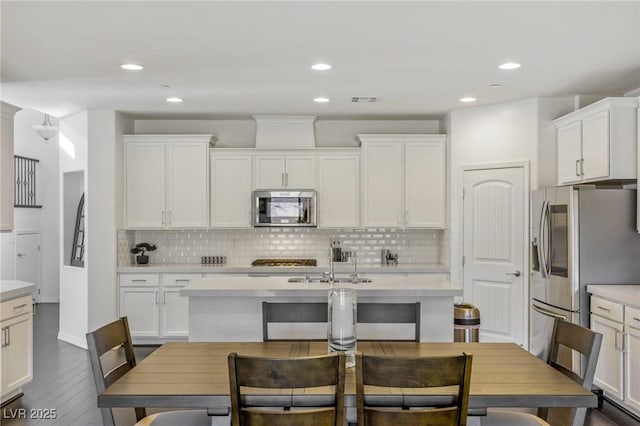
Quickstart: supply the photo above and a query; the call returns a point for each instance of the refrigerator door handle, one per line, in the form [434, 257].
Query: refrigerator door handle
[548, 313]
[542, 240]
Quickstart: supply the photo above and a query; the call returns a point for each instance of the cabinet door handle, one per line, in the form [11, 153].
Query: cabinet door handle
[398, 217]
[4, 337]
[637, 319]
[615, 344]
[582, 167]
[156, 297]
[164, 297]
[282, 179]
[19, 306]
[577, 167]
[286, 179]
[604, 309]
[139, 281]
[182, 280]
[162, 217]
[8, 331]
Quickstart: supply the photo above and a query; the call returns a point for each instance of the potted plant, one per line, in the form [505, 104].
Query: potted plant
[141, 249]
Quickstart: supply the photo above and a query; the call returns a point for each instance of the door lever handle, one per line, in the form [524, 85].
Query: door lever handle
[515, 274]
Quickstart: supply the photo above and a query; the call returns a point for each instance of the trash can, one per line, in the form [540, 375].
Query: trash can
[466, 323]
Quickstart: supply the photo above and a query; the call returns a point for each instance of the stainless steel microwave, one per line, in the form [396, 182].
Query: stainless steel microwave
[284, 208]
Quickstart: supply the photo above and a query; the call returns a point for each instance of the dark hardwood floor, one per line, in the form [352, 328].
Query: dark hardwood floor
[62, 381]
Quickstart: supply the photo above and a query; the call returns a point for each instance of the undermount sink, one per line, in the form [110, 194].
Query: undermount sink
[327, 280]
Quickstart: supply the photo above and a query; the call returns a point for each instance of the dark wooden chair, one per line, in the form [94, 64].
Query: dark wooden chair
[291, 313]
[115, 339]
[285, 408]
[368, 313]
[423, 372]
[391, 313]
[565, 335]
[111, 354]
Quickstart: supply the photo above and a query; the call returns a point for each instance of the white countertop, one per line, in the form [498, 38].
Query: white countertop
[419, 286]
[410, 268]
[11, 289]
[625, 294]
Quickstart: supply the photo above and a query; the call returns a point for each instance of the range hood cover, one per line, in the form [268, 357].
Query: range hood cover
[285, 131]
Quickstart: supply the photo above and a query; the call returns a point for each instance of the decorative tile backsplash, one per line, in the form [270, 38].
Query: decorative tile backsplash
[242, 246]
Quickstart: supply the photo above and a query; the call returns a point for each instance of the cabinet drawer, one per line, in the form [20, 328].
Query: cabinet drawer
[606, 308]
[179, 279]
[632, 317]
[139, 279]
[15, 307]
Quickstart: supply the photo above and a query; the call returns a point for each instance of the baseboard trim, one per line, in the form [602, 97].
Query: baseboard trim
[621, 407]
[49, 300]
[72, 340]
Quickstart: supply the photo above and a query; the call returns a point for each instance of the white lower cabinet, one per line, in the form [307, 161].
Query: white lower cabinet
[608, 375]
[618, 369]
[17, 345]
[175, 313]
[632, 360]
[155, 310]
[140, 306]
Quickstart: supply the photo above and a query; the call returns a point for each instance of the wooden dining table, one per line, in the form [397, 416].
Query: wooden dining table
[194, 375]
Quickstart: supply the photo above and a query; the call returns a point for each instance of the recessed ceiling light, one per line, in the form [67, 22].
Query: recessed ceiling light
[321, 67]
[321, 100]
[468, 99]
[509, 66]
[132, 67]
[495, 85]
[174, 99]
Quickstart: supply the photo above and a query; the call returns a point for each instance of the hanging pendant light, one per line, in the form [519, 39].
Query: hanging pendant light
[46, 130]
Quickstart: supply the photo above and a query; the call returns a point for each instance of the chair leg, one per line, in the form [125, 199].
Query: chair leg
[107, 417]
[141, 413]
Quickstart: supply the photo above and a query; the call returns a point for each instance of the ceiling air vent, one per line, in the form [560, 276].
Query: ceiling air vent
[364, 99]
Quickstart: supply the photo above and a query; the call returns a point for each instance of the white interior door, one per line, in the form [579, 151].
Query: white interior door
[494, 251]
[28, 259]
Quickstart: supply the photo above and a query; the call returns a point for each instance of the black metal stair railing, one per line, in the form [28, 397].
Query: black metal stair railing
[24, 173]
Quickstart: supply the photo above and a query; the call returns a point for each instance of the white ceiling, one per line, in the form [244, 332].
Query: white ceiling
[237, 58]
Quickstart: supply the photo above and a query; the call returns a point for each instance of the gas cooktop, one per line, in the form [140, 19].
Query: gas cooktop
[284, 262]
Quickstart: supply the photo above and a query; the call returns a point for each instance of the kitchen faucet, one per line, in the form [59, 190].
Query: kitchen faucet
[331, 272]
[354, 276]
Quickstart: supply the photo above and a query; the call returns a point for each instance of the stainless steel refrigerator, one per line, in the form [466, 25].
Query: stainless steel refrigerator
[579, 236]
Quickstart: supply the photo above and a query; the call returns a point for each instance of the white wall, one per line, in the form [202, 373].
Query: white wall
[28, 143]
[92, 141]
[328, 133]
[73, 139]
[101, 196]
[500, 133]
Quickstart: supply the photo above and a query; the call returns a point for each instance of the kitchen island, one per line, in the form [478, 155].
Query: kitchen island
[229, 308]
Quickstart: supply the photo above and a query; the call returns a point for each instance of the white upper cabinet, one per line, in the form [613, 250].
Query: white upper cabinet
[598, 142]
[279, 171]
[404, 181]
[570, 153]
[230, 190]
[145, 187]
[166, 181]
[425, 188]
[382, 170]
[339, 190]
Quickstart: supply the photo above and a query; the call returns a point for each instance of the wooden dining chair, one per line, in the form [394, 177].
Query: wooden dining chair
[570, 336]
[284, 407]
[111, 354]
[417, 373]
